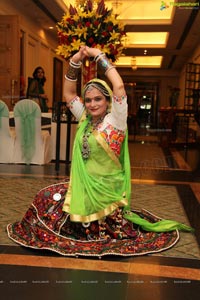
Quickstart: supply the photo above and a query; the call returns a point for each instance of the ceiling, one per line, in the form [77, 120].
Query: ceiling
[168, 31]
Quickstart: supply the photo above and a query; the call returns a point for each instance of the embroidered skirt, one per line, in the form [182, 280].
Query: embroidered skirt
[45, 226]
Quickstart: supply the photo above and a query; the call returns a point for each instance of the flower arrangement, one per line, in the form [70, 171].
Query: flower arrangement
[91, 24]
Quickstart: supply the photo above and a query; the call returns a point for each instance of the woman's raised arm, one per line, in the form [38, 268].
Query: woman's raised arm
[109, 70]
[70, 84]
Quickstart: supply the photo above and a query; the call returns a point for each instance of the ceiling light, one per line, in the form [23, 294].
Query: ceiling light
[141, 61]
[146, 39]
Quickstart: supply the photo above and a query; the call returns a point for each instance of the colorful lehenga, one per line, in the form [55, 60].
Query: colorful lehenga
[90, 214]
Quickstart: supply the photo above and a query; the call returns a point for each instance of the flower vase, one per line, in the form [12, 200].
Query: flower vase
[89, 71]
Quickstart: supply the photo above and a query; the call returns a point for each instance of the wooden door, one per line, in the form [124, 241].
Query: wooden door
[9, 60]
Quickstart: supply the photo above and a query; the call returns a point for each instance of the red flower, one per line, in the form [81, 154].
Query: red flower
[70, 21]
[87, 24]
[104, 33]
[115, 52]
[91, 40]
[64, 39]
[96, 23]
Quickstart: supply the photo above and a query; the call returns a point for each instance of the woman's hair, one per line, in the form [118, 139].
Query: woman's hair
[100, 85]
[42, 80]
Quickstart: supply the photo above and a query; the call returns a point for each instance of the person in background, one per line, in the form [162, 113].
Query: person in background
[35, 89]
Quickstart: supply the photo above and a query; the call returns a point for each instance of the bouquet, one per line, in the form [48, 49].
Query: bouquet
[91, 24]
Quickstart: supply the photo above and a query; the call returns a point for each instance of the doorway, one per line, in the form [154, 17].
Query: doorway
[142, 105]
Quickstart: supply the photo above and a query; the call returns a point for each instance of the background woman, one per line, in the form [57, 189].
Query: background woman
[35, 89]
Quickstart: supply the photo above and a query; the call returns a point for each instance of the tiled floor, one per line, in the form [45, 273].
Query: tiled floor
[27, 274]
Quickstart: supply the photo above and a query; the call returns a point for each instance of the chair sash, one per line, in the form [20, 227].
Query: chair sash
[4, 112]
[27, 111]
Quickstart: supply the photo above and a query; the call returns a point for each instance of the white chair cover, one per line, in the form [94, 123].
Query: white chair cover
[6, 139]
[32, 145]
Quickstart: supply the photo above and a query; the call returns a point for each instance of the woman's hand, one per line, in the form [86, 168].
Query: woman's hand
[91, 52]
[85, 51]
[80, 55]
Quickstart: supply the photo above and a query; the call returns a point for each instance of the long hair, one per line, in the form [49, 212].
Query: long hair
[42, 80]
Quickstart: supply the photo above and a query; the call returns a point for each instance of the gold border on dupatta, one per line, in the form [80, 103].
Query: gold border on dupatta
[99, 215]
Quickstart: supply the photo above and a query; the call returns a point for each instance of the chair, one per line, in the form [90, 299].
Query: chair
[32, 144]
[6, 138]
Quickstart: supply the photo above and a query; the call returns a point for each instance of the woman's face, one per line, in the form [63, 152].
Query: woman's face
[40, 73]
[95, 103]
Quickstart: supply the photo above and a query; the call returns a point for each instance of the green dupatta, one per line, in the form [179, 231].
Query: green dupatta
[94, 195]
[100, 184]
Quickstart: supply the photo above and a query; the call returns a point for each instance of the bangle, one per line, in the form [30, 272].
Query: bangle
[73, 70]
[98, 56]
[105, 64]
[75, 65]
[70, 79]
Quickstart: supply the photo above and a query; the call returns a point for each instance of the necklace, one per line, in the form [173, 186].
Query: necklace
[90, 127]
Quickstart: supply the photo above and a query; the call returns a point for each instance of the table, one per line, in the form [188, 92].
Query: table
[65, 153]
